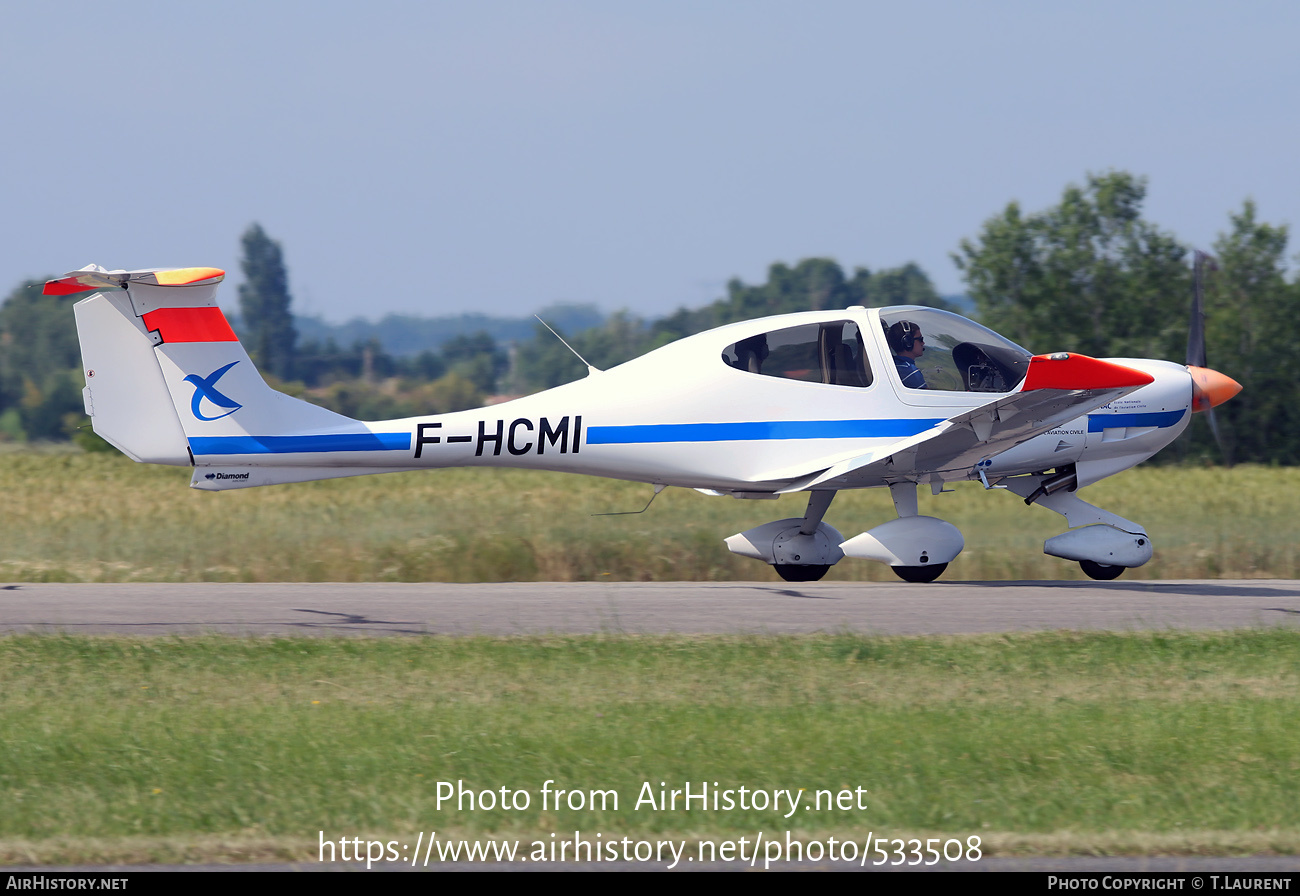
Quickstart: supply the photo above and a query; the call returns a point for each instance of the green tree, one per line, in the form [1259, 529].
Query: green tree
[477, 359]
[543, 362]
[38, 337]
[619, 339]
[908, 285]
[1253, 335]
[449, 393]
[1087, 275]
[54, 409]
[40, 362]
[428, 365]
[264, 302]
[814, 284]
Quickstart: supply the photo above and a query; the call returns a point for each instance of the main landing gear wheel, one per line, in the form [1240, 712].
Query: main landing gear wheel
[919, 573]
[1101, 571]
[794, 572]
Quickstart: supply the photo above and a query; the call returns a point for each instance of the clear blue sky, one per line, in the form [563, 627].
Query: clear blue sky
[498, 156]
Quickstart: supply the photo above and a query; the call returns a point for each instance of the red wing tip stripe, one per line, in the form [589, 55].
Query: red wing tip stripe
[1081, 372]
[205, 324]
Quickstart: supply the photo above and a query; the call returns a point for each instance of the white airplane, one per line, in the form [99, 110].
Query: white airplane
[813, 403]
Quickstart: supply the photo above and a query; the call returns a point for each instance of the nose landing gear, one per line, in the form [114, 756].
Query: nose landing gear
[1103, 543]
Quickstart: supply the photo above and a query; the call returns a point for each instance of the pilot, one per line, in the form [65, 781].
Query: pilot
[907, 344]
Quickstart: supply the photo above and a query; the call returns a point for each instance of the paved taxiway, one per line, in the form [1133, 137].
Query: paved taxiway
[685, 607]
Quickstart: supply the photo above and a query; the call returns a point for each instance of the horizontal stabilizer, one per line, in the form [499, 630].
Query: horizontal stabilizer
[92, 276]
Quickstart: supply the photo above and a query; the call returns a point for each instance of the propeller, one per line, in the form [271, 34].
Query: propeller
[1196, 332]
[1209, 387]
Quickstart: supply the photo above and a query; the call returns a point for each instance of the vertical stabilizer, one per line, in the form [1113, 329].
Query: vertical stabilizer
[126, 396]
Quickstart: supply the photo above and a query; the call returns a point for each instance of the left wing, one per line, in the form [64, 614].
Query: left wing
[1056, 389]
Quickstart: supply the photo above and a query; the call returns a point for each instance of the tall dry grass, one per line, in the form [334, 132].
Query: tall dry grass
[101, 518]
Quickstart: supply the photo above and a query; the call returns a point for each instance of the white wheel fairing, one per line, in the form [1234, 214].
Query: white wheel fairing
[908, 541]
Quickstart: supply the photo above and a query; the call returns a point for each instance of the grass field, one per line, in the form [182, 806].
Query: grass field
[211, 749]
[101, 518]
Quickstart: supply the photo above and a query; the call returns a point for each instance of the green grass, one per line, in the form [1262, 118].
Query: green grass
[101, 518]
[122, 749]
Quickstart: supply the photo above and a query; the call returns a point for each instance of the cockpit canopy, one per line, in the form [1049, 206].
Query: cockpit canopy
[959, 354]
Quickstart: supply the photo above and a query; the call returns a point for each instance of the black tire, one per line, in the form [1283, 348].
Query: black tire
[793, 572]
[919, 573]
[1101, 571]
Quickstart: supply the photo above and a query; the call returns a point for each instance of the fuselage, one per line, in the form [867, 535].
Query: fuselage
[704, 413]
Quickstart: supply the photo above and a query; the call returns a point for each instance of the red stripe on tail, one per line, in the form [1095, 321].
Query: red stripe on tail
[205, 324]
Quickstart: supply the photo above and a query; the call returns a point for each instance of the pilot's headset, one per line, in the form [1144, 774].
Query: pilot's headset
[903, 334]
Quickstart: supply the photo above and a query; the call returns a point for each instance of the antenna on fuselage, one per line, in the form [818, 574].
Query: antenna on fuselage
[658, 488]
[569, 347]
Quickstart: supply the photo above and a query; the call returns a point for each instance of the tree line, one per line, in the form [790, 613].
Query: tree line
[1088, 274]
[1091, 275]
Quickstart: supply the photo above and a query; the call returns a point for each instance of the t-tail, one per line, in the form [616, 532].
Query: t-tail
[155, 340]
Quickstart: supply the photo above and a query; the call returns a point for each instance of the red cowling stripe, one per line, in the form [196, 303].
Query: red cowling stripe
[1080, 372]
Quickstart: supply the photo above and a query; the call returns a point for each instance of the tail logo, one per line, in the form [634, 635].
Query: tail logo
[206, 387]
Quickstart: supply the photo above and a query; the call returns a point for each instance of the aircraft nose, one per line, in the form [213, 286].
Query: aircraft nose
[1211, 388]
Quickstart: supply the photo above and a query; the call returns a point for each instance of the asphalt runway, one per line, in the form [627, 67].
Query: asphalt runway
[646, 608]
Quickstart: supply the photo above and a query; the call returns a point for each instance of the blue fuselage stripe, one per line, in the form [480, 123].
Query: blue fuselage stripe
[1158, 419]
[757, 431]
[361, 441]
[595, 435]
